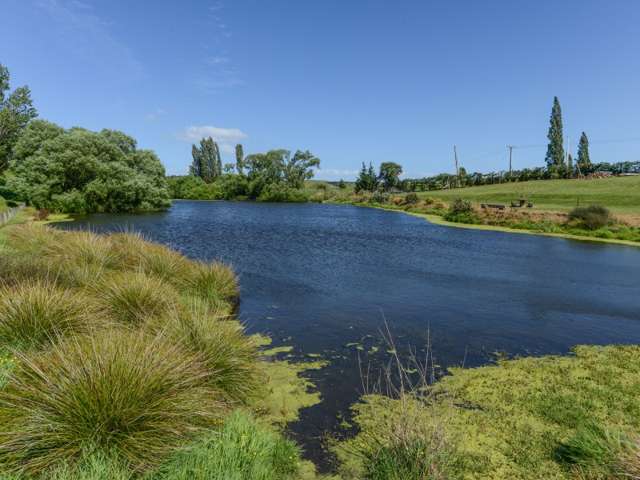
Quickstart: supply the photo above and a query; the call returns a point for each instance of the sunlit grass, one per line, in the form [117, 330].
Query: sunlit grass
[116, 391]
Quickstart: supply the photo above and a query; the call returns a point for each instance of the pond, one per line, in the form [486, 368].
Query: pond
[325, 278]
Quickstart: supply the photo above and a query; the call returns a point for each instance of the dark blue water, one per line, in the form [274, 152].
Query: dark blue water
[320, 277]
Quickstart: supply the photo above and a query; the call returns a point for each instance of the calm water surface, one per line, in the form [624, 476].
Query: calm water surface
[321, 277]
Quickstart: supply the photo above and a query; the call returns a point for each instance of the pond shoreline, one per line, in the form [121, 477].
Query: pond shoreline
[438, 220]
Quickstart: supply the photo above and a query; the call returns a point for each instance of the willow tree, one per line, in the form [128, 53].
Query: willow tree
[16, 111]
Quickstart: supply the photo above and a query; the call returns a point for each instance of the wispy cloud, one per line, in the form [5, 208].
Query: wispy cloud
[88, 36]
[226, 137]
[219, 73]
[155, 115]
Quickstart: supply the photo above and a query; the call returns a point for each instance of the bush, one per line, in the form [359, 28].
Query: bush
[379, 197]
[461, 211]
[244, 449]
[132, 297]
[34, 314]
[276, 192]
[592, 217]
[115, 392]
[411, 198]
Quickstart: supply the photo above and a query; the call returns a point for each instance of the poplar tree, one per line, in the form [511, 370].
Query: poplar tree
[584, 161]
[555, 150]
[240, 159]
[207, 163]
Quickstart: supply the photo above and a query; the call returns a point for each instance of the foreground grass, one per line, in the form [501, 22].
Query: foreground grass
[510, 421]
[117, 356]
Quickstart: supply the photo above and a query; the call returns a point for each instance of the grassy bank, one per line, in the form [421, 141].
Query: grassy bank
[574, 417]
[440, 207]
[124, 359]
[619, 194]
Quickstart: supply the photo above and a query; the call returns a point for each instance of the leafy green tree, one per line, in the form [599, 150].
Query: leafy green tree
[207, 163]
[389, 175]
[569, 166]
[584, 161]
[16, 111]
[299, 168]
[555, 149]
[240, 159]
[79, 171]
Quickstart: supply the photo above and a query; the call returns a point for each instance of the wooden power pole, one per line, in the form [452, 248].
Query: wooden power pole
[510, 147]
[455, 156]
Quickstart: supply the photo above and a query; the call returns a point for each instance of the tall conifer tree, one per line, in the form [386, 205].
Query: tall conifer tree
[584, 161]
[555, 150]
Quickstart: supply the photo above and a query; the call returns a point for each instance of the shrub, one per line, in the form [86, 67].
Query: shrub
[231, 357]
[34, 313]
[131, 297]
[12, 204]
[461, 211]
[116, 392]
[592, 217]
[411, 198]
[243, 449]
[213, 283]
[379, 197]
[42, 214]
[276, 192]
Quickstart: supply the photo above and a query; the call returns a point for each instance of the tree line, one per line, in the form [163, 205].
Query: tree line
[276, 175]
[72, 170]
[558, 164]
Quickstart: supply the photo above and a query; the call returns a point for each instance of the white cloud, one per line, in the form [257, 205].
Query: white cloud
[224, 136]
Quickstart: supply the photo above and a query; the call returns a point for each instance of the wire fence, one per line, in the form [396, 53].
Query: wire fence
[7, 216]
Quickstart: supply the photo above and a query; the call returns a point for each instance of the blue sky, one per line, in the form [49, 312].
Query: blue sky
[350, 80]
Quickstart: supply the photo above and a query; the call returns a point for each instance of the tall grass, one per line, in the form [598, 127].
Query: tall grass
[135, 253]
[131, 297]
[214, 283]
[35, 313]
[118, 392]
[231, 357]
[242, 450]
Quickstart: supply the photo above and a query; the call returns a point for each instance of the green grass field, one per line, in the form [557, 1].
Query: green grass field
[619, 194]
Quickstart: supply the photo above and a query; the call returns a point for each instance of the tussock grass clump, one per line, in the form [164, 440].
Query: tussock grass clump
[231, 357]
[135, 253]
[214, 283]
[35, 313]
[243, 449]
[131, 297]
[118, 392]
